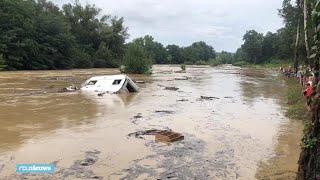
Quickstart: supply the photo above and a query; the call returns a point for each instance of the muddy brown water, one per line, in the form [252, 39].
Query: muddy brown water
[241, 133]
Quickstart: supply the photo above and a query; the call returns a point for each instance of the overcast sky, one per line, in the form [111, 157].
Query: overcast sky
[220, 23]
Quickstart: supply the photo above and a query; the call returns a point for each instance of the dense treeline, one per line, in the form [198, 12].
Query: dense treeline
[287, 43]
[37, 34]
[173, 54]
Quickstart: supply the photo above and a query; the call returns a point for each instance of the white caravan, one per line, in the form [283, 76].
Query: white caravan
[110, 84]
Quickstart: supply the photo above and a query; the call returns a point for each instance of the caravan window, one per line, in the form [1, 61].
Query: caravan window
[92, 82]
[116, 82]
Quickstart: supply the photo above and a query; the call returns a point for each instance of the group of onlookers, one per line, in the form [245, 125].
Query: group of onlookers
[305, 76]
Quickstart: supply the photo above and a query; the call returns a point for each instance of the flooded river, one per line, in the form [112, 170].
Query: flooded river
[241, 133]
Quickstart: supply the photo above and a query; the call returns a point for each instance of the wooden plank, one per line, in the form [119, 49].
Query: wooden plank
[168, 136]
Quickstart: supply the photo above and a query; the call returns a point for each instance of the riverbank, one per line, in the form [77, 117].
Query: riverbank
[296, 101]
[271, 64]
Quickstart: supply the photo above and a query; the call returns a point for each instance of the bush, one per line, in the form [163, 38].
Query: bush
[240, 63]
[2, 63]
[189, 63]
[201, 63]
[215, 62]
[183, 67]
[136, 60]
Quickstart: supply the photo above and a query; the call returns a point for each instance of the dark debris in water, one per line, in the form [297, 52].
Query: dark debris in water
[207, 98]
[171, 88]
[138, 116]
[78, 170]
[164, 111]
[182, 100]
[141, 133]
[183, 160]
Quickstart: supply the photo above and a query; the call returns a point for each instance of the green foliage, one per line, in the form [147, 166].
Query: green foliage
[81, 59]
[198, 51]
[183, 67]
[189, 63]
[2, 63]
[175, 54]
[308, 142]
[154, 49]
[136, 60]
[104, 57]
[240, 63]
[39, 35]
[260, 49]
[200, 63]
[252, 46]
[296, 101]
[225, 57]
[215, 62]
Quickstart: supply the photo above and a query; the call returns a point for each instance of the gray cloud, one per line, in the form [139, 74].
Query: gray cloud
[219, 23]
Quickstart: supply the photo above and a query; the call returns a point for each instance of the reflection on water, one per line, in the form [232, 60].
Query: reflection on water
[241, 134]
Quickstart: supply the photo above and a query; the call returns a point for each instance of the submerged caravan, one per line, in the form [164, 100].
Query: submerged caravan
[110, 84]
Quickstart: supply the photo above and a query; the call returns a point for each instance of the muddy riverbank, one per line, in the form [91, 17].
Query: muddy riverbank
[232, 119]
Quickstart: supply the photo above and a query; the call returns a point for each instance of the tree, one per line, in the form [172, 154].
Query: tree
[34, 35]
[155, 50]
[175, 53]
[305, 22]
[253, 46]
[292, 18]
[104, 57]
[92, 30]
[225, 57]
[136, 60]
[269, 47]
[240, 55]
[198, 51]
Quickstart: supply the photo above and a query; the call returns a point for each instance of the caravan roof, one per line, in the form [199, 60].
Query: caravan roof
[110, 83]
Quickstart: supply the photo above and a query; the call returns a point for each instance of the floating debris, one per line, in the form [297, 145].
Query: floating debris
[34, 93]
[140, 134]
[181, 71]
[171, 88]
[138, 116]
[100, 94]
[111, 83]
[181, 79]
[207, 98]
[140, 82]
[70, 88]
[168, 136]
[90, 159]
[165, 111]
[182, 100]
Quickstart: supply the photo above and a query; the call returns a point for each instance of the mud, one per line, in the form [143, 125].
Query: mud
[237, 131]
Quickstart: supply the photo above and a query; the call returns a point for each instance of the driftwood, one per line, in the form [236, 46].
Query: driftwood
[207, 98]
[171, 88]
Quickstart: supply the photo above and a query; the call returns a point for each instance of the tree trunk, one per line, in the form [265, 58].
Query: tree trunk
[305, 17]
[296, 61]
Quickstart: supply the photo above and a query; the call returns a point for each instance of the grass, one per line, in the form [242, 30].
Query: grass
[271, 64]
[296, 101]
